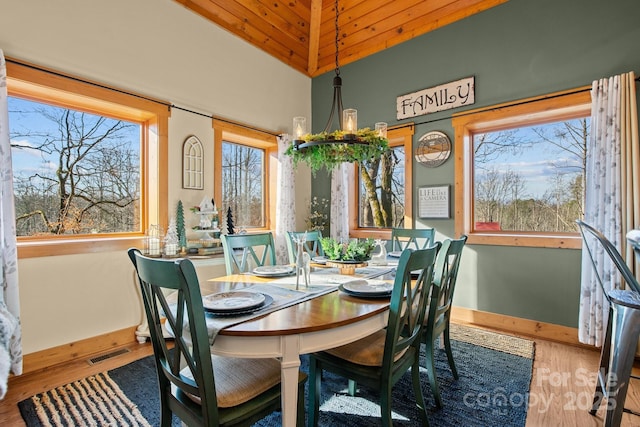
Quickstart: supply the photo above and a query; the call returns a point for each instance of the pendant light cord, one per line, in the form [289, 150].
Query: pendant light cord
[337, 39]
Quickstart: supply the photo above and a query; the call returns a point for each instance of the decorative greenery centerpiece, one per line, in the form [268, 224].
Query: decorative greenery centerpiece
[331, 149]
[354, 250]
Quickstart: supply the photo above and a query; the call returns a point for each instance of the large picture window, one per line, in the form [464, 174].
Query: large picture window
[86, 162]
[520, 178]
[74, 172]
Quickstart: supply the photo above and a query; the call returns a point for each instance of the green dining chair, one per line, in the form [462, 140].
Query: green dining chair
[381, 359]
[244, 252]
[438, 315]
[311, 245]
[199, 388]
[416, 238]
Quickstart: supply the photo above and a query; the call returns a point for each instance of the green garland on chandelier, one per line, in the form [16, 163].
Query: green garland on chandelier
[331, 149]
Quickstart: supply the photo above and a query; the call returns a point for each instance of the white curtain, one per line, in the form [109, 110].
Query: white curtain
[340, 201]
[10, 334]
[285, 201]
[607, 178]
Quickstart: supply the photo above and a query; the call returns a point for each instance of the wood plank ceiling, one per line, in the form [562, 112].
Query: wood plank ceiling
[301, 33]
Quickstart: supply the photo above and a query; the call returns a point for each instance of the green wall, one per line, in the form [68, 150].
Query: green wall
[519, 49]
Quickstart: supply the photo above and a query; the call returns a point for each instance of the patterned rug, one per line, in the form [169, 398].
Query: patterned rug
[492, 389]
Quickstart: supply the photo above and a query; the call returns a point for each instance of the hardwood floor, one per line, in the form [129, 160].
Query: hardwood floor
[561, 387]
[24, 386]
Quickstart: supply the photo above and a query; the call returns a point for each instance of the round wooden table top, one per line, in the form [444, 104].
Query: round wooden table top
[323, 312]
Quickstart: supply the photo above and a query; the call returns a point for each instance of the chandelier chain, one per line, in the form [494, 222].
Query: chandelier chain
[337, 38]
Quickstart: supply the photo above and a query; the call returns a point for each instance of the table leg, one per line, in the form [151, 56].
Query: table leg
[290, 365]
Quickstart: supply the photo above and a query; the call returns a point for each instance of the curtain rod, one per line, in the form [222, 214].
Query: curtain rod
[224, 120]
[124, 92]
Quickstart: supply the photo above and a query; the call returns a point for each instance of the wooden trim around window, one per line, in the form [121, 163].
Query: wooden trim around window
[43, 85]
[240, 134]
[557, 106]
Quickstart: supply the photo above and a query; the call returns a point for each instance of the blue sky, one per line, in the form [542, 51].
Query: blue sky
[537, 161]
[24, 118]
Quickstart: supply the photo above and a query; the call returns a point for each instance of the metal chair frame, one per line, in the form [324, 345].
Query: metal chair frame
[622, 332]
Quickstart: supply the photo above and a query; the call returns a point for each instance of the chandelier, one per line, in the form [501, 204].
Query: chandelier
[345, 144]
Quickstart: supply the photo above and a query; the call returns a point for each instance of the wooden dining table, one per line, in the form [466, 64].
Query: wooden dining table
[315, 324]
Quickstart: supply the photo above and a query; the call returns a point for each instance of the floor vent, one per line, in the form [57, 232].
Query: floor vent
[106, 356]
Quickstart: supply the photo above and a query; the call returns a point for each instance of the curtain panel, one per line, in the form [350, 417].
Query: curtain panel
[285, 201]
[339, 210]
[611, 193]
[10, 332]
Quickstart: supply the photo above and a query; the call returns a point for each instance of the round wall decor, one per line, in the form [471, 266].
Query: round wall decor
[434, 148]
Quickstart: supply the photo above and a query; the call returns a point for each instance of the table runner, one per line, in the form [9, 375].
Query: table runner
[284, 294]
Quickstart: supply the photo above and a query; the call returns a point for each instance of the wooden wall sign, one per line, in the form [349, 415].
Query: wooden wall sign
[437, 98]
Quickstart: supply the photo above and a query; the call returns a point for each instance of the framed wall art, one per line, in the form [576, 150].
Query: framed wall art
[434, 201]
[192, 164]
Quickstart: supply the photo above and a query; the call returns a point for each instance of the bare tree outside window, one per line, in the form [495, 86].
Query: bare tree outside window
[74, 172]
[382, 190]
[531, 178]
[243, 184]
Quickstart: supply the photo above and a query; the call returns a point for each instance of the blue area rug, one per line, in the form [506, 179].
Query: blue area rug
[494, 370]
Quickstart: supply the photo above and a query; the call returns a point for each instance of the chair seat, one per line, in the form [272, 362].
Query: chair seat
[367, 351]
[240, 380]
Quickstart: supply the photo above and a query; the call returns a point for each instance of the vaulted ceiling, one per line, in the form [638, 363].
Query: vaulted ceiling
[301, 33]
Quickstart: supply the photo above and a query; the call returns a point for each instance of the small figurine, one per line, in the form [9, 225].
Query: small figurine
[303, 261]
[381, 257]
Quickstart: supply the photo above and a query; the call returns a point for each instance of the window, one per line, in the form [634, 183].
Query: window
[83, 174]
[520, 175]
[382, 201]
[243, 184]
[73, 172]
[242, 170]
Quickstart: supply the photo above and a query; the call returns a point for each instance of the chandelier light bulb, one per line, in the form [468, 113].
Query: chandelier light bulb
[350, 120]
[299, 127]
[381, 129]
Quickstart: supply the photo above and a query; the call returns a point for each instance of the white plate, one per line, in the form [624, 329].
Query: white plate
[232, 301]
[273, 270]
[319, 259]
[395, 254]
[368, 286]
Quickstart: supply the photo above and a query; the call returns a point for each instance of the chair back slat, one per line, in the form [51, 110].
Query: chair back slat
[170, 290]
[444, 281]
[311, 245]
[243, 252]
[414, 238]
[408, 301]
